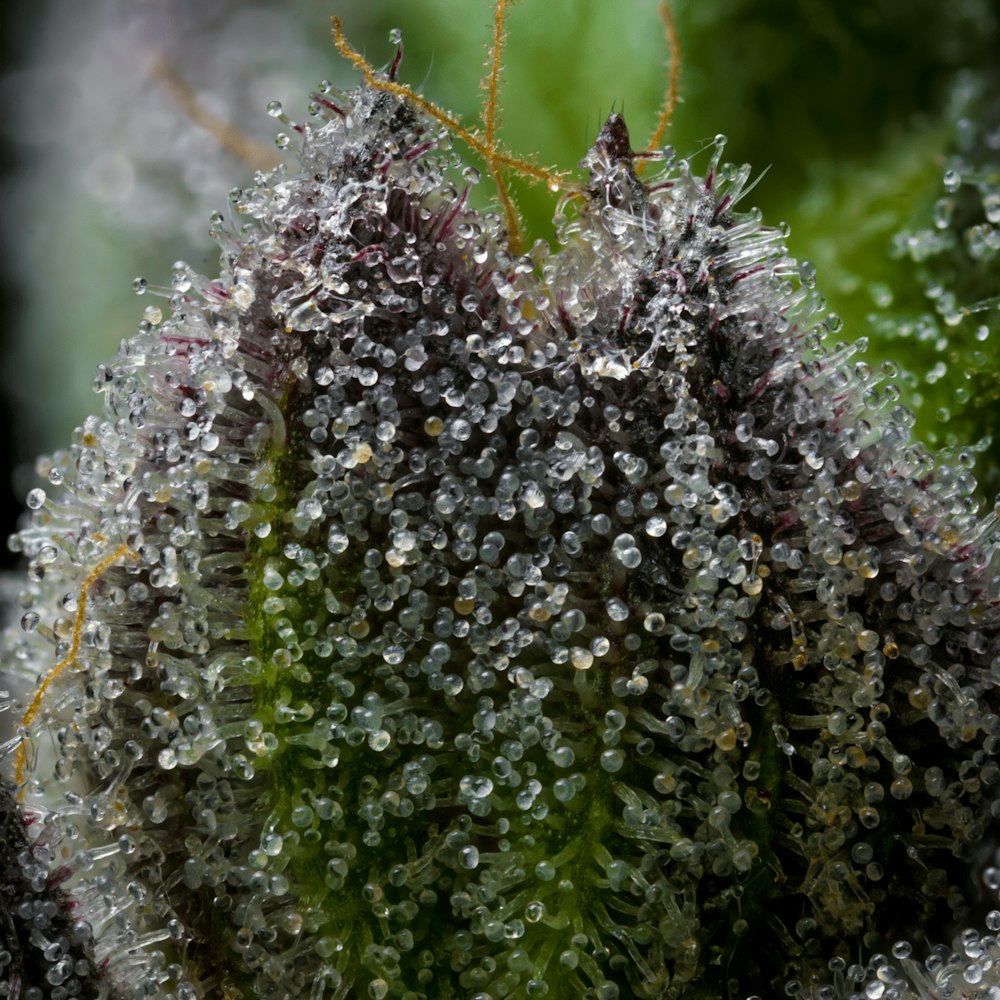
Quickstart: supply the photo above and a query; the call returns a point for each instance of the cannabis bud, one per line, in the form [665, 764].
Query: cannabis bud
[427, 620]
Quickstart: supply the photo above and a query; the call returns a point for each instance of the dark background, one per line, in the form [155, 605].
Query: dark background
[16, 436]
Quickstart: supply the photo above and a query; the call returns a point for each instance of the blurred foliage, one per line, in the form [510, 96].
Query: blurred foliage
[856, 112]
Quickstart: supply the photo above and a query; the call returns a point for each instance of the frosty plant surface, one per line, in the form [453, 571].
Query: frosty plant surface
[429, 619]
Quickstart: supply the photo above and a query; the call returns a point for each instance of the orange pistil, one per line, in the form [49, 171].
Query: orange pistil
[673, 81]
[230, 138]
[484, 144]
[38, 696]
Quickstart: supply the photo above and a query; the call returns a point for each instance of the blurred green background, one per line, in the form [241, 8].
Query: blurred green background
[878, 124]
